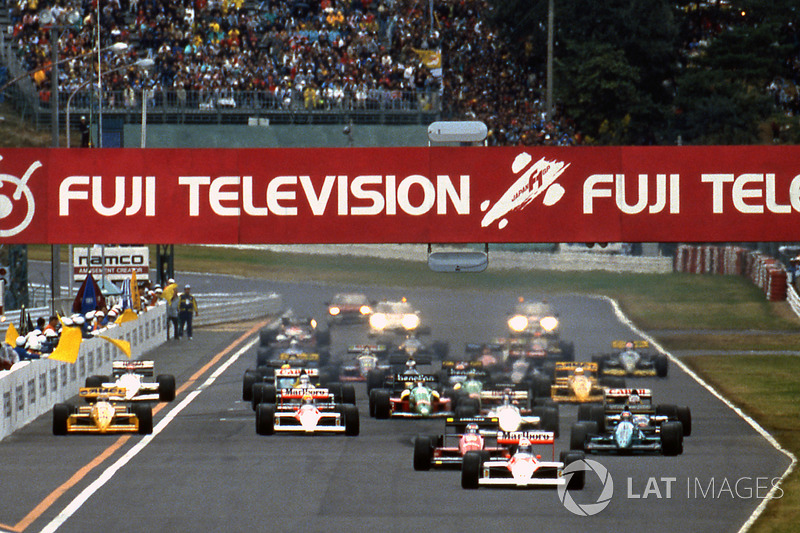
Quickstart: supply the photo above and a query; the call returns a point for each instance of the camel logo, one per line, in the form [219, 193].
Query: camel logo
[586, 509]
[539, 178]
[12, 191]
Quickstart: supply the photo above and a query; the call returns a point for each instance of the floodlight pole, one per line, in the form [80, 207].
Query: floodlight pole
[550, 32]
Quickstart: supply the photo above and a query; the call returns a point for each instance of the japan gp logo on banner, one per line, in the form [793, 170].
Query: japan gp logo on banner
[539, 178]
[16, 215]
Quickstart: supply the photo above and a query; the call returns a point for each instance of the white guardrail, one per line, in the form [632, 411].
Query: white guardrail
[31, 388]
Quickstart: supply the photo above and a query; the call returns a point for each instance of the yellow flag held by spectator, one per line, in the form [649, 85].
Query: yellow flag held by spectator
[68, 345]
[125, 346]
[136, 301]
[169, 291]
[11, 335]
[126, 316]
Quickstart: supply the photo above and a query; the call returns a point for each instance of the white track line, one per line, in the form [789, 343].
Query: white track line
[755, 425]
[109, 472]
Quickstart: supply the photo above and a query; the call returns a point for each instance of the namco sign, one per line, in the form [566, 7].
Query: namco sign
[116, 263]
[440, 194]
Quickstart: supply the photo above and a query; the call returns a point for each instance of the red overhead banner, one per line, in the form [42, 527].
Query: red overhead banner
[414, 195]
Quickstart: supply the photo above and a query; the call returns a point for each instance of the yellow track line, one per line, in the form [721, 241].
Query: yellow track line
[51, 498]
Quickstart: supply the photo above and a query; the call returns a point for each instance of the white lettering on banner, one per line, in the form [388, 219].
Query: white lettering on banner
[415, 195]
[613, 186]
[140, 194]
[750, 193]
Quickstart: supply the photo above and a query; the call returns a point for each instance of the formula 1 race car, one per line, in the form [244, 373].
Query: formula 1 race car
[289, 378]
[291, 352]
[579, 383]
[393, 317]
[632, 359]
[411, 396]
[533, 318]
[631, 427]
[303, 330]
[523, 469]
[102, 415]
[129, 376]
[348, 308]
[461, 435]
[512, 408]
[366, 359]
[306, 411]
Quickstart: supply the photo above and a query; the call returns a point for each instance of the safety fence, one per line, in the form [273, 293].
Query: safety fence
[764, 271]
[31, 388]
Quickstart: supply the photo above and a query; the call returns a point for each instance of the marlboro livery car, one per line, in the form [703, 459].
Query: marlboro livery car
[523, 469]
[306, 411]
[632, 358]
[578, 382]
[289, 378]
[129, 376]
[102, 415]
[461, 435]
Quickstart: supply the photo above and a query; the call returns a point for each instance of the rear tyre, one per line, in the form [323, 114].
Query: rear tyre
[352, 425]
[672, 438]
[265, 419]
[383, 405]
[248, 381]
[61, 412]
[613, 382]
[578, 436]
[372, 402]
[423, 453]
[685, 418]
[668, 410]
[96, 381]
[567, 351]
[263, 393]
[584, 412]
[550, 420]
[471, 470]
[144, 413]
[374, 380]
[166, 387]
[263, 355]
[540, 387]
[597, 414]
[578, 479]
[349, 394]
[662, 365]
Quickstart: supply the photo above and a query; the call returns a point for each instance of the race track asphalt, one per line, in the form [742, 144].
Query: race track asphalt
[207, 470]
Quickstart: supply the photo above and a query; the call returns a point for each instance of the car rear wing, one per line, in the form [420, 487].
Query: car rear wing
[535, 437]
[637, 344]
[498, 394]
[400, 358]
[425, 378]
[361, 348]
[460, 424]
[302, 356]
[144, 368]
[625, 393]
[100, 392]
[474, 348]
[298, 394]
[296, 372]
[469, 364]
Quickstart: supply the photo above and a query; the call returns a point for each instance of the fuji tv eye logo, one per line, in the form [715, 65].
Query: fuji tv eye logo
[12, 192]
[586, 509]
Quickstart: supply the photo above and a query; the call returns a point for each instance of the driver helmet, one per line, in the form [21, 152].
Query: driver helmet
[293, 343]
[130, 367]
[472, 428]
[308, 399]
[304, 380]
[629, 345]
[626, 414]
[411, 364]
[634, 399]
[579, 371]
[524, 446]
[507, 395]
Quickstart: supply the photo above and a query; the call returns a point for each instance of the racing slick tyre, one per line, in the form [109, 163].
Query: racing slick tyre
[336, 390]
[265, 419]
[597, 414]
[567, 351]
[579, 435]
[685, 418]
[323, 337]
[374, 380]
[267, 336]
[372, 402]
[468, 407]
[544, 402]
[549, 370]
[263, 355]
[250, 378]
[166, 387]
[324, 356]
[471, 470]
[613, 382]
[584, 412]
[440, 349]
[662, 365]
[423, 452]
[667, 409]
[263, 393]
[383, 405]
[540, 388]
[61, 412]
[97, 381]
[351, 421]
[672, 438]
[348, 394]
[578, 479]
[599, 359]
[144, 414]
[549, 419]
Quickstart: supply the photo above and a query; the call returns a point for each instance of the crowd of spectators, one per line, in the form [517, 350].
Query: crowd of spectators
[287, 54]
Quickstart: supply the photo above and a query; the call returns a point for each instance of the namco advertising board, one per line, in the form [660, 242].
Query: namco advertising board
[413, 195]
